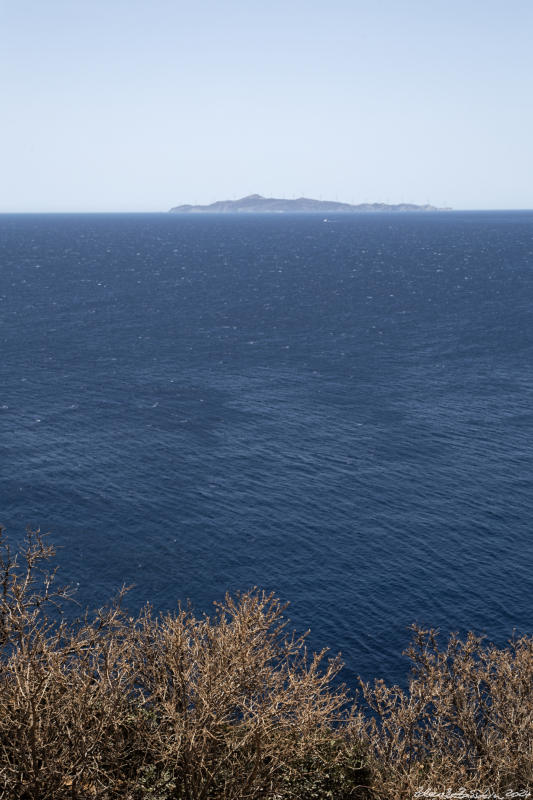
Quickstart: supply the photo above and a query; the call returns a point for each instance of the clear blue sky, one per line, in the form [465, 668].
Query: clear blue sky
[138, 105]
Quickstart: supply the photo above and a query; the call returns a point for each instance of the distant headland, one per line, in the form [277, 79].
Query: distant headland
[255, 203]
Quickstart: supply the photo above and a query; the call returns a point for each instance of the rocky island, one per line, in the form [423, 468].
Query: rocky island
[256, 204]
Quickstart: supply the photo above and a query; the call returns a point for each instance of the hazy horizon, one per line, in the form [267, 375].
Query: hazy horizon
[135, 107]
[60, 212]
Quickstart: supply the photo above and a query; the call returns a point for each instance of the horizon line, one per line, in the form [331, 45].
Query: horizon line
[448, 209]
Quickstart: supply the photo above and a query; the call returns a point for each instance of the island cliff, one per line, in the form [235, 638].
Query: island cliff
[255, 203]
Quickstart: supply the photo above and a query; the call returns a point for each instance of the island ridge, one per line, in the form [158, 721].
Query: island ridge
[256, 204]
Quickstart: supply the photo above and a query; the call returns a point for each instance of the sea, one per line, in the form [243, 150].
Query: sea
[337, 410]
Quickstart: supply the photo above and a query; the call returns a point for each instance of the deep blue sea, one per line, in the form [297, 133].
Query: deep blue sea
[338, 411]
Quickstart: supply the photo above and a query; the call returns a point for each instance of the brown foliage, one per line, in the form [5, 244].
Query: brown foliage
[231, 707]
[169, 707]
[466, 719]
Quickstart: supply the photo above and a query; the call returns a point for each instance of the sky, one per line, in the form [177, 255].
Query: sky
[140, 105]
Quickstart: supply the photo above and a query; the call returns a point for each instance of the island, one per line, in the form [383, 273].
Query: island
[256, 204]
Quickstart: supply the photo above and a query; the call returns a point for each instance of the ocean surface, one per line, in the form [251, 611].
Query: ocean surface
[338, 411]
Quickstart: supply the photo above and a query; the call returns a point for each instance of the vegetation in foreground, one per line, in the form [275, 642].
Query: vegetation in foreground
[230, 706]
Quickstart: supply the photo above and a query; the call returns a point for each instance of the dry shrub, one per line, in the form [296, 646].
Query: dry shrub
[65, 691]
[237, 702]
[466, 719]
[227, 706]
[231, 707]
